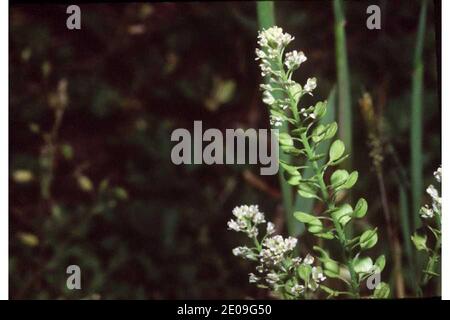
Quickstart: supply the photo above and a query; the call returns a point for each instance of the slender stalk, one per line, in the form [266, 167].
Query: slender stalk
[416, 117]
[406, 233]
[340, 231]
[393, 239]
[343, 82]
[306, 205]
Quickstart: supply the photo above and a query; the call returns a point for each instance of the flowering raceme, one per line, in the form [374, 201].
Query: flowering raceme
[432, 220]
[279, 269]
[427, 212]
[288, 276]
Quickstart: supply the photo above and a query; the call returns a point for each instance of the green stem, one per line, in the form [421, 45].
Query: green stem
[340, 231]
[431, 265]
[343, 82]
[416, 118]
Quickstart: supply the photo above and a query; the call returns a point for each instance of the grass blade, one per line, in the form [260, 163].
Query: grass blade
[416, 118]
[343, 82]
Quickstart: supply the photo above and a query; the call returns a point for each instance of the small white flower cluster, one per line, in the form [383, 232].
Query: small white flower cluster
[294, 59]
[275, 250]
[436, 206]
[247, 220]
[276, 266]
[438, 174]
[272, 43]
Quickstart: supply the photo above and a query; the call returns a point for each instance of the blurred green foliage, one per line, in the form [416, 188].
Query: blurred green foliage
[97, 188]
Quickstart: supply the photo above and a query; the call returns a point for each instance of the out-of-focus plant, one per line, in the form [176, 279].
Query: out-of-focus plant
[376, 142]
[431, 217]
[416, 115]
[303, 142]
[343, 80]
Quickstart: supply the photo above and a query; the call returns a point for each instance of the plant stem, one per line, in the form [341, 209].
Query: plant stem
[343, 82]
[340, 231]
[416, 118]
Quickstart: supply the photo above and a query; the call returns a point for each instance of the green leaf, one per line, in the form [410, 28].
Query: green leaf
[331, 131]
[382, 291]
[324, 255]
[318, 133]
[363, 265]
[320, 109]
[292, 170]
[286, 140]
[337, 150]
[380, 263]
[420, 241]
[325, 235]
[291, 150]
[304, 271]
[335, 163]
[307, 190]
[317, 157]
[307, 194]
[298, 131]
[294, 180]
[296, 92]
[352, 178]
[360, 208]
[314, 224]
[342, 214]
[331, 267]
[368, 239]
[338, 178]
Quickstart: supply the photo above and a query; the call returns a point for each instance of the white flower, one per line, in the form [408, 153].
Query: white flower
[243, 252]
[268, 98]
[270, 228]
[317, 274]
[260, 268]
[274, 38]
[276, 121]
[252, 278]
[236, 225]
[265, 69]
[438, 174]
[260, 54]
[245, 211]
[310, 85]
[247, 219]
[296, 260]
[309, 259]
[297, 289]
[275, 250]
[258, 218]
[426, 212]
[290, 243]
[267, 87]
[431, 190]
[294, 59]
[272, 278]
[436, 205]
